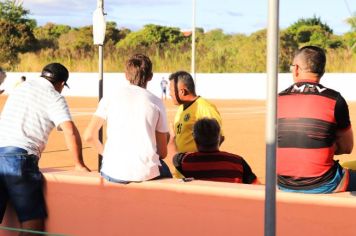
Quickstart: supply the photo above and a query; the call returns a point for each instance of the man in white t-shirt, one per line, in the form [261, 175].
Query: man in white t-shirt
[137, 129]
[29, 115]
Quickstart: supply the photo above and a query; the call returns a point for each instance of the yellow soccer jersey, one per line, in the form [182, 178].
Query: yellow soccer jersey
[185, 120]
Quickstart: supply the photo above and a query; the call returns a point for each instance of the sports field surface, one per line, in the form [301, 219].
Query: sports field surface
[243, 125]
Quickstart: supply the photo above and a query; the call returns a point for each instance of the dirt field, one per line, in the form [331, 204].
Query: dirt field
[243, 125]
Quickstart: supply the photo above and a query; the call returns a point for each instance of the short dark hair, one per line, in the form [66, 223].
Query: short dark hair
[55, 72]
[206, 132]
[185, 78]
[139, 69]
[314, 59]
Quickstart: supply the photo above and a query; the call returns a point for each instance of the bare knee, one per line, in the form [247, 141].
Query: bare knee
[32, 225]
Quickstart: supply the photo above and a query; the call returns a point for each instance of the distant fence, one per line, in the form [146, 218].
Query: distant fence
[213, 86]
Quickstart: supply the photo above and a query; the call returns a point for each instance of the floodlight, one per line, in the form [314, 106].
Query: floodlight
[99, 26]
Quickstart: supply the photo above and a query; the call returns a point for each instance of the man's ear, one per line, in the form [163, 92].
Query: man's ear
[150, 78]
[185, 92]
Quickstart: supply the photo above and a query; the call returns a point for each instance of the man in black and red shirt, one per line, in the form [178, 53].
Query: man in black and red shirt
[313, 126]
[209, 163]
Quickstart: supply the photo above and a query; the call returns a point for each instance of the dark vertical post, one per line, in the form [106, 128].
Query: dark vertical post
[101, 89]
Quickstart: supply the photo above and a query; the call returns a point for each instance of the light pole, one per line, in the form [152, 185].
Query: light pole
[193, 42]
[99, 28]
[271, 116]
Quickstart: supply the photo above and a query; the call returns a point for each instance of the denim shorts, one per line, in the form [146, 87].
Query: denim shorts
[327, 187]
[21, 183]
[163, 170]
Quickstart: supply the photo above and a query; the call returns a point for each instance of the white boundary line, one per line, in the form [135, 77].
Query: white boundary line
[223, 111]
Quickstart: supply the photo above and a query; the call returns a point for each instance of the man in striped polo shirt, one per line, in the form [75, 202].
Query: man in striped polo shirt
[313, 126]
[209, 163]
[29, 115]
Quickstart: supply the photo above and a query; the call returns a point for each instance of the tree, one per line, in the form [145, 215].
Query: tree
[152, 36]
[350, 37]
[288, 45]
[352, 22]
[310, 22]
[113, 36]
[350, 41]
[77, 43]
[12, 11]
[312, 31]
[16, 32]
[49, 34]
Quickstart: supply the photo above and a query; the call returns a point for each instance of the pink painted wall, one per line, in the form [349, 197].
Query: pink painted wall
[85, 204]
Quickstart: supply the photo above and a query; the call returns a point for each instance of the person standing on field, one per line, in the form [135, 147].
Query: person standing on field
[164, 84]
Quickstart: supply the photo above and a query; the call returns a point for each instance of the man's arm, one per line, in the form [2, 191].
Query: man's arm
[172, 147]
[91, 133]
[344, 141]
[161, 140]
[74, 144]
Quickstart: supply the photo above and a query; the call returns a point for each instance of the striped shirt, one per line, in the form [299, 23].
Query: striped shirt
[30, 113]
[214, 166]
[309, 116]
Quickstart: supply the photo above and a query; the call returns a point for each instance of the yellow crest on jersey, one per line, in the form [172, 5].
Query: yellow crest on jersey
[186, 117]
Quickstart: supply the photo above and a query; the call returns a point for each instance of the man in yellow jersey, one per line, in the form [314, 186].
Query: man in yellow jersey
[191, 108]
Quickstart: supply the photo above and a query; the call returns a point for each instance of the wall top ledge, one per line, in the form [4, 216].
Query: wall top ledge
[197, 187]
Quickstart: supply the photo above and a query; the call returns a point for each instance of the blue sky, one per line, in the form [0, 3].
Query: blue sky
[233, 16]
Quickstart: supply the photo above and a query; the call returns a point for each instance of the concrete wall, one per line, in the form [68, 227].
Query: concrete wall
[85, 204]
[214, 86]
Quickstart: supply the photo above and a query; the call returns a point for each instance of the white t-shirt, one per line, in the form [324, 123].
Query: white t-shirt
[133, 116]
[30, 113]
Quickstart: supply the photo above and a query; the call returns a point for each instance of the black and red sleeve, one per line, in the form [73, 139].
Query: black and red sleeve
[342, 115]
[177, 161]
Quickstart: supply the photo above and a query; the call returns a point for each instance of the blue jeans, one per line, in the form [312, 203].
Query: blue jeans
[21, 182]
[163, 170]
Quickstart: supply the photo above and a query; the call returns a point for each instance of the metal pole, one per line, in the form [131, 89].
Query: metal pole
[193, 42]
[271, 117]
[101, 82]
